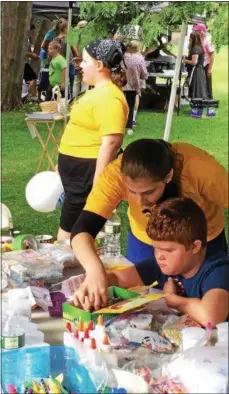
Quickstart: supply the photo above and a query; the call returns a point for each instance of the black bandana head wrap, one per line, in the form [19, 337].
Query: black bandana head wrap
[109, 51]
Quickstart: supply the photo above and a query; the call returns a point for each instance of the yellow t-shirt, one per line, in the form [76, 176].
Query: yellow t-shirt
[99, 112]
[202, 178]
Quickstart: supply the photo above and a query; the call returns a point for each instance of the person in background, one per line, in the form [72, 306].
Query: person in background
[149, 171]
[29, 74]
[193, 284]
[44, 59]
[94, 133]
[195, 63]
[79, 86]
[62, 39]
[57, 70]
[135, 72]
[209, 51]
[52, 33]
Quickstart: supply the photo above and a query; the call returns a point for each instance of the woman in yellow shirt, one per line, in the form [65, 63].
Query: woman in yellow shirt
[94, 133]
[149, 171]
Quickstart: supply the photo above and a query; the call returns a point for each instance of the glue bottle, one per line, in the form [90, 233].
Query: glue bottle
[87, 339]
[81, 330]
[105, 345]
[100, 329]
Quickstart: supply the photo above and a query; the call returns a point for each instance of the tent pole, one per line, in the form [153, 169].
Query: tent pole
[67, 68]
[174, 84]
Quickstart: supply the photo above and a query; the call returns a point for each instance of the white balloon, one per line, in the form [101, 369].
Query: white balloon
[45, 192]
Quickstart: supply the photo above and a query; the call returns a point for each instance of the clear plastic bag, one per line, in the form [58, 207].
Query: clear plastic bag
[201, 369]
[95, 366]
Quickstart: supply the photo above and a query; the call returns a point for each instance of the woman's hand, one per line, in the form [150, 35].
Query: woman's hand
[92, 293]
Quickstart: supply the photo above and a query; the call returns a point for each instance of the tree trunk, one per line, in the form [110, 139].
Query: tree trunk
[16, 17]
[45, 26]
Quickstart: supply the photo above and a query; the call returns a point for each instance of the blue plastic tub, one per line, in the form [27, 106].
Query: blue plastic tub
[25, 364]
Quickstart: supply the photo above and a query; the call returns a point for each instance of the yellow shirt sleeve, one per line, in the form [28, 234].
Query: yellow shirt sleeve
[108, 191]
[111, 116]
[210, 179]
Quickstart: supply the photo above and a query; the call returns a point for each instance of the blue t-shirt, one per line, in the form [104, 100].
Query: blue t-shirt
[213, 274]
[50, 35]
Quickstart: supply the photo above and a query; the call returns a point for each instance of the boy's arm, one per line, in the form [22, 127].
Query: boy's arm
[213, 307]
[126, 278]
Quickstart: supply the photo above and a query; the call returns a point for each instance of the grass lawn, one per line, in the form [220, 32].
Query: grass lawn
[20, 153]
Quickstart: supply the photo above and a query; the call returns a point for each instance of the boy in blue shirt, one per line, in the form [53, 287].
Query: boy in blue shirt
[195, 285]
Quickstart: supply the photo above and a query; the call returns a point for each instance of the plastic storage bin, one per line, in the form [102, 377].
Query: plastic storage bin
[25, 364]
[199, 105]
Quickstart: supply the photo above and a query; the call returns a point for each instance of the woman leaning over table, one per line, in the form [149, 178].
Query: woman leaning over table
[94, 133]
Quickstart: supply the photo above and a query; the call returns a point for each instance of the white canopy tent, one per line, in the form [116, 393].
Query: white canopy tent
[174, 84]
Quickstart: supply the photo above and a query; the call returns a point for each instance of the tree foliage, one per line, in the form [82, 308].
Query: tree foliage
[219, 25]
[106, 17]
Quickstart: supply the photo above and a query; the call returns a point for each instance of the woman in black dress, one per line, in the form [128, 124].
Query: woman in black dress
[195, 67]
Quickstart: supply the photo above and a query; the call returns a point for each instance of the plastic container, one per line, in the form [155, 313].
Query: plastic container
[26, 364]
[58, 298]
[49, 271]
[45, 192]
[99, 241]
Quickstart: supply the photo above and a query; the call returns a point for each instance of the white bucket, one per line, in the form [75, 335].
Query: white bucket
[45, 192]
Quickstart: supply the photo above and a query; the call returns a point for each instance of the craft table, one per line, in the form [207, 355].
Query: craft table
[54, 327]
[33, 126]
[169, 75]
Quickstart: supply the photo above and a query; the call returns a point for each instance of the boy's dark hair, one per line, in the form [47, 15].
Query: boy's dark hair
[148, 158]
[179, 220]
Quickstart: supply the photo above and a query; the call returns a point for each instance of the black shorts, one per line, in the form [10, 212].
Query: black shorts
[29, 74]
[77, 176]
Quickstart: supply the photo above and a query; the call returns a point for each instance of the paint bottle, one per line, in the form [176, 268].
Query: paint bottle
[80, 329]
[91, 330]
[105, 345]
[100, 329]
[87, 339]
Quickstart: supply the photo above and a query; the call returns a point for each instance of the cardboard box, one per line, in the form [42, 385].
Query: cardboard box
[129, 301]
[73, 314]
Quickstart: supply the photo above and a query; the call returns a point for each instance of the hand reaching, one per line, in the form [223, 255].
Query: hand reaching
[92, 293]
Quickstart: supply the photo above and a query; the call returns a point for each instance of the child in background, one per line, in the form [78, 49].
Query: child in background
[196, 285]
[57, 69]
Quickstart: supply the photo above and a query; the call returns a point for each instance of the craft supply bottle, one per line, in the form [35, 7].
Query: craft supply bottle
[80, 330]
[90, 328]
[104, 346]
[112, 247]
[87, 339]
[13, 333]
[100, 329]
